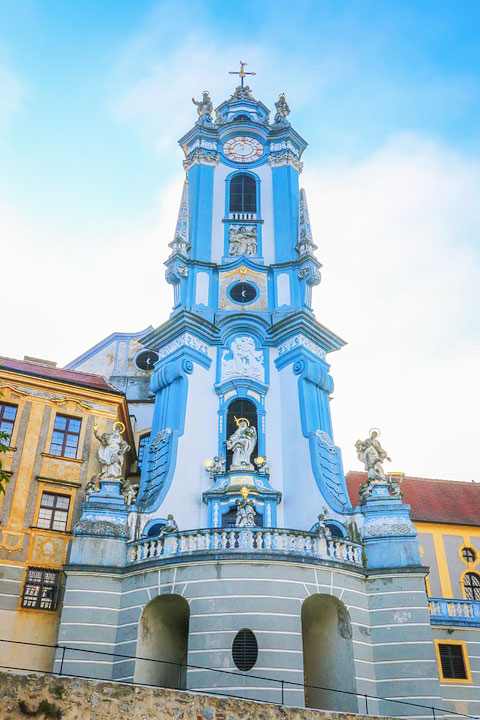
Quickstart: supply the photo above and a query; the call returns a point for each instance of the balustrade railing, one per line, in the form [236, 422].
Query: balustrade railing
[446, 611]
[246, 540]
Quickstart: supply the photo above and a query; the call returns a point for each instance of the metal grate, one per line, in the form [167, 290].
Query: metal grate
[453, 664]
[245, 650]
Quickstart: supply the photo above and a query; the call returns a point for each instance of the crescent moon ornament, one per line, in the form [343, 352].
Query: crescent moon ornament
[119, 424]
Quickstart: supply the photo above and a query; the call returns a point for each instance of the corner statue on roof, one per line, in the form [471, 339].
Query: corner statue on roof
[371, 453]
[111, 451]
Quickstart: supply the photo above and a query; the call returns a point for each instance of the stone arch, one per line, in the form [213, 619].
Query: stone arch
[163, 635]
[328, 654]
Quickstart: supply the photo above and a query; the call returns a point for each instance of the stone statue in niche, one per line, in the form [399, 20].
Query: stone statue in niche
[204, 106]
[242, 240]
[111, 451]
[169, 527]
[371, 453]
[246, 360]
[282, 109]
[245, 510]
[242, 444]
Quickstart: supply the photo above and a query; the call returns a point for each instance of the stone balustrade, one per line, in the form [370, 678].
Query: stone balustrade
[246, 540]
[446, 611]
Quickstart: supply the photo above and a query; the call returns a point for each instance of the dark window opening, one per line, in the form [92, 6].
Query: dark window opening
[452, 661]
[65, 436]
[241, 408]
[41, 589]
[141, 449]
[469, 554]
[245, 650]
[242, 118]
[243, 194]
[8, 413]
[229, 519]
[471, 583]
[53, 512]
[155, 529]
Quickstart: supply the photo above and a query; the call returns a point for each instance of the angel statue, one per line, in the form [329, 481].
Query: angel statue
[204, 106]
[242, 443]
[371, 453]
[111, 451]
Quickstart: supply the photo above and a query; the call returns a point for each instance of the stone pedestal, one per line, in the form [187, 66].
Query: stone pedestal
[388, 533]
[101, 534]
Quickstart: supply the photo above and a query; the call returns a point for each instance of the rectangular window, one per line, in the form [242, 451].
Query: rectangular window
[66, 432]
[141, 450]
[41, 589]
[453, 661]
[53, 512]
[8, 413]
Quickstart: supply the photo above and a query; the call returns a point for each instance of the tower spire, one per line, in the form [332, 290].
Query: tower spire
[180, 242]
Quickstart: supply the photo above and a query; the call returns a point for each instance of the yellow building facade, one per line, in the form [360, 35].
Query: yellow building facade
[49, 414]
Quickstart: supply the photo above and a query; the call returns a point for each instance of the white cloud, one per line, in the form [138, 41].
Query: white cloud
[398, 237]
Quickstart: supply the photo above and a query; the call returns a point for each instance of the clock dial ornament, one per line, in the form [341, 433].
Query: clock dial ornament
[243, 149]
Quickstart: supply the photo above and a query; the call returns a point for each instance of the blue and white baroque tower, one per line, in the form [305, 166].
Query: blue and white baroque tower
[242, 340]
[242, 552]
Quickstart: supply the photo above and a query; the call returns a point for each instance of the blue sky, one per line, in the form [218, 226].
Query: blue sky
[95, 94]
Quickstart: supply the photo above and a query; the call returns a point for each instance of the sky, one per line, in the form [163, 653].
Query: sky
[93, 98]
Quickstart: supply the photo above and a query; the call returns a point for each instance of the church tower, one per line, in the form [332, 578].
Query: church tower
[242, 340]
[240, 566]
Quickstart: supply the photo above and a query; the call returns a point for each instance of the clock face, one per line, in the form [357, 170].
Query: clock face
[243, 292]
[243, 149]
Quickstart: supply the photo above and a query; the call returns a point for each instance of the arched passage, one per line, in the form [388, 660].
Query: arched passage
[328, 654]
[163, 636]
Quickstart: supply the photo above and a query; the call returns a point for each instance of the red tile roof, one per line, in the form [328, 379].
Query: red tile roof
[74, 377]
[435, 501]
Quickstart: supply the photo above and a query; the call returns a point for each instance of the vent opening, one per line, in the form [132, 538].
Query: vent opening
[245, 650]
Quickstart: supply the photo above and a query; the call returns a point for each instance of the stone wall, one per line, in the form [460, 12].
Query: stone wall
[60, 698]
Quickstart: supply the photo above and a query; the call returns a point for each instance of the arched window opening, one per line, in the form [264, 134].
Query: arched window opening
[242, 118]
[241, 408]
[163, 643]
[243, 194]
[245, 650]
[328, 654]
[471, 583]
[155, 529]
[335, 530]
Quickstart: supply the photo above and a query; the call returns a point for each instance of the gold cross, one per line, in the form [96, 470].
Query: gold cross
[242, 72]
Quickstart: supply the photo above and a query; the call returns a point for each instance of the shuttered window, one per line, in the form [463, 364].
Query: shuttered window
[245, 650]
[452, 662]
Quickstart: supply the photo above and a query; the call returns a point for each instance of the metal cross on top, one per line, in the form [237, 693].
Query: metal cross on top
[242, 72]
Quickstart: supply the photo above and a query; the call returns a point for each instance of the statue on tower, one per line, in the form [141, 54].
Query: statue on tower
[204, 106]
[282, 109]
[242, 443]
[371, 453]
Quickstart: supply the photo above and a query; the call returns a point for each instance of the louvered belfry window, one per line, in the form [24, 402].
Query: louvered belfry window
[453, 663]
[245, 650]
[243, 194]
